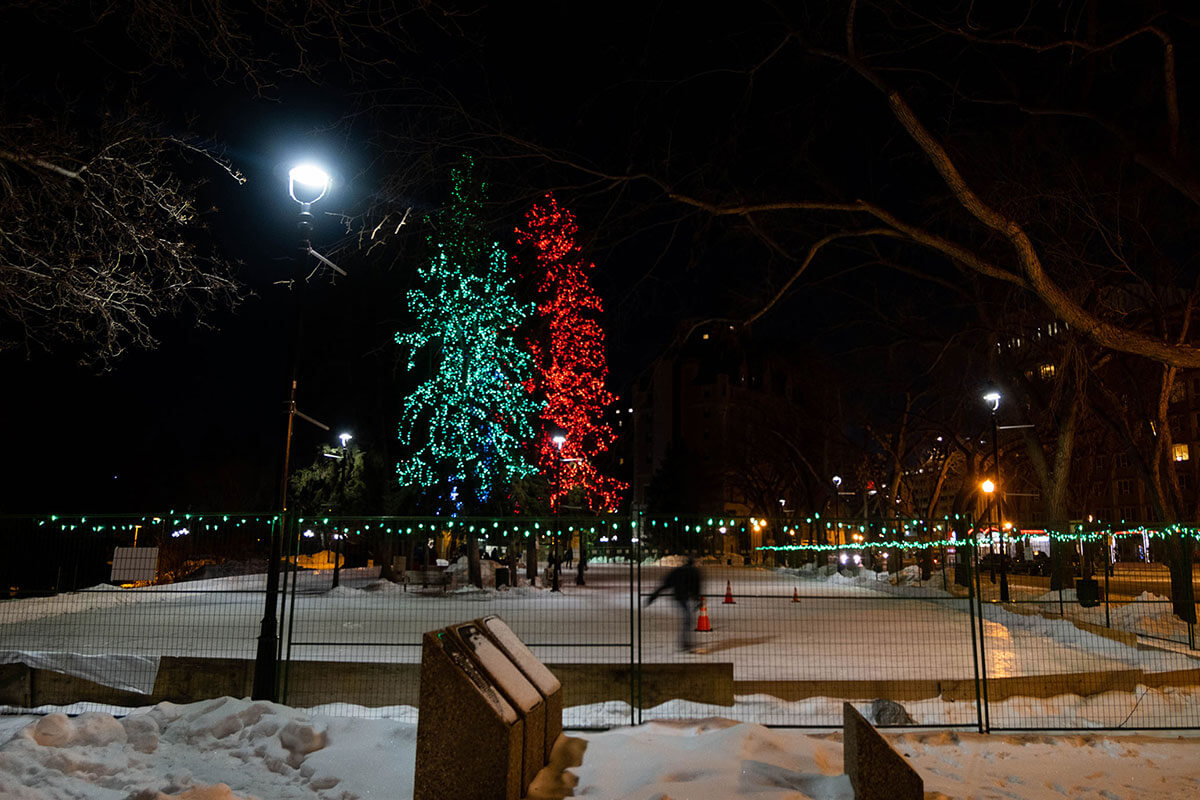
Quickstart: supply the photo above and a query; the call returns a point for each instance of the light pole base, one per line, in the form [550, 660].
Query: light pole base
[265, 665]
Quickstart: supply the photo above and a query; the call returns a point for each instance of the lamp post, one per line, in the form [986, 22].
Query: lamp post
[341, 499]
[837, 508]
[306, 184]
[837, 497]
[558, 440]
[993, 398]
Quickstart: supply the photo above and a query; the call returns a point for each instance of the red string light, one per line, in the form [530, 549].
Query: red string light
[570, 369]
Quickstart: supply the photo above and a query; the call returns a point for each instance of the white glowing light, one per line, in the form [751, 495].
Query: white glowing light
[313, 180]
[309, 175]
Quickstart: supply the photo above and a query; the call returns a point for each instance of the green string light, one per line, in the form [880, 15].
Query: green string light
[466, 424]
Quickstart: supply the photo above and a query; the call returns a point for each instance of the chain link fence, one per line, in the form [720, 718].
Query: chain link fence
[920, 624]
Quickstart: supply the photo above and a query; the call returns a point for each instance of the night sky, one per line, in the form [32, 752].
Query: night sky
[731, 107]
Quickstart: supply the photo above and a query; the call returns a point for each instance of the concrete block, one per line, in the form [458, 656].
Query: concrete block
[16, 685]
[364, 683]
[704, 682]
[876, 770]
[517, 690]
[469, 738]
[537, 673]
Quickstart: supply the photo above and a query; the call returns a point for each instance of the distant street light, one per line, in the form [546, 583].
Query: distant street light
[837, 498]
[558, 440]
[344, 437]
[987, 486]
[993, 398]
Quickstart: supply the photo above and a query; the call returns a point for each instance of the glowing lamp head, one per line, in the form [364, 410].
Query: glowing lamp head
[310, 181]
[345, 437]
[837, 480]
[994, 399]
[559, 440]
[988, 486]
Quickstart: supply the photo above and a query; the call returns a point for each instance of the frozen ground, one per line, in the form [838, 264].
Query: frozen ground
[228, 749]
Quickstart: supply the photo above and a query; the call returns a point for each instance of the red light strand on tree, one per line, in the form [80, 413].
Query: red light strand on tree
[570, 368]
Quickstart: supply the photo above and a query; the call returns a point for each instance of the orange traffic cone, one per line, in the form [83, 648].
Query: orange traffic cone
[795, 594]
[728, 593]
[702, 624]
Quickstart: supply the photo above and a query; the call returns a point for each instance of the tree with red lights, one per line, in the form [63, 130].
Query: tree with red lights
[570, 368]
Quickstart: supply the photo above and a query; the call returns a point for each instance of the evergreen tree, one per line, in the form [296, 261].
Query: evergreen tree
[467, 422]
[569, 362]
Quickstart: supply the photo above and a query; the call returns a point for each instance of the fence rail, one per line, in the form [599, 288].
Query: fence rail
[130, 609]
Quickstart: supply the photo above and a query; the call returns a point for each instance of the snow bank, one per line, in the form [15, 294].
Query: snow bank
[229, 749]
[224, 749]
[129, 673]
[486, 568]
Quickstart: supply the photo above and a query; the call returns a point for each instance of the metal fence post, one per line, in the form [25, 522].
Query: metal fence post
[983, 693]
[637, 599]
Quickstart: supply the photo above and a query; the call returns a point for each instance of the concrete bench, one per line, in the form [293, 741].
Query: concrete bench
[427, 578]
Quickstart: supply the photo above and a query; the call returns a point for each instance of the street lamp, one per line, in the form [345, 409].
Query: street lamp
[338, 545]
[558, 439]
[307, 184]
[993, 398]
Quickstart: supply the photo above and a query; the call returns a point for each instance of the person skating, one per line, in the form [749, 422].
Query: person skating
[684, 584]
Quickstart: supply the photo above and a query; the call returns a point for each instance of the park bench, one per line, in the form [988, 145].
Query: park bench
[428, 577]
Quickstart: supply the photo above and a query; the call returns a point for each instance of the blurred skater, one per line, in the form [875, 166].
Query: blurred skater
[684, 584]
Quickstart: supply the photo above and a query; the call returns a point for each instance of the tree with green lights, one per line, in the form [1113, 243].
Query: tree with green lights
[466, 425]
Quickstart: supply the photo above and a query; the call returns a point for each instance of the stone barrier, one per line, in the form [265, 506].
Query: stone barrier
[488, 717]
[470, 740]
[876, 770]
[534, 671]
[522, 695]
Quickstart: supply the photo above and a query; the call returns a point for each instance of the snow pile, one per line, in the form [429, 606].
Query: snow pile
[1148, 614]
[129, 673]
[222, 749]
[711, 758]
[242, 750]
[459, 570]
[383, 586]
[1052, 597]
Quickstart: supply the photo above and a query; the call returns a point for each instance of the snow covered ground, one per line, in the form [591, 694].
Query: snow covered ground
[842, 628]
[230, 749]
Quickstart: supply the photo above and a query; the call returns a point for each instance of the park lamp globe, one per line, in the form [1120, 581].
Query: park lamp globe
[310, 181]
[994, 399]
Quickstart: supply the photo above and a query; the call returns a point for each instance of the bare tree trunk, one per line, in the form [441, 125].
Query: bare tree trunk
[474, 573]
[531, 562]
[384, 548]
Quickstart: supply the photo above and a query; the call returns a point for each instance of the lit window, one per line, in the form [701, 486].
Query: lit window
[1180, 452]
[1046, 371]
